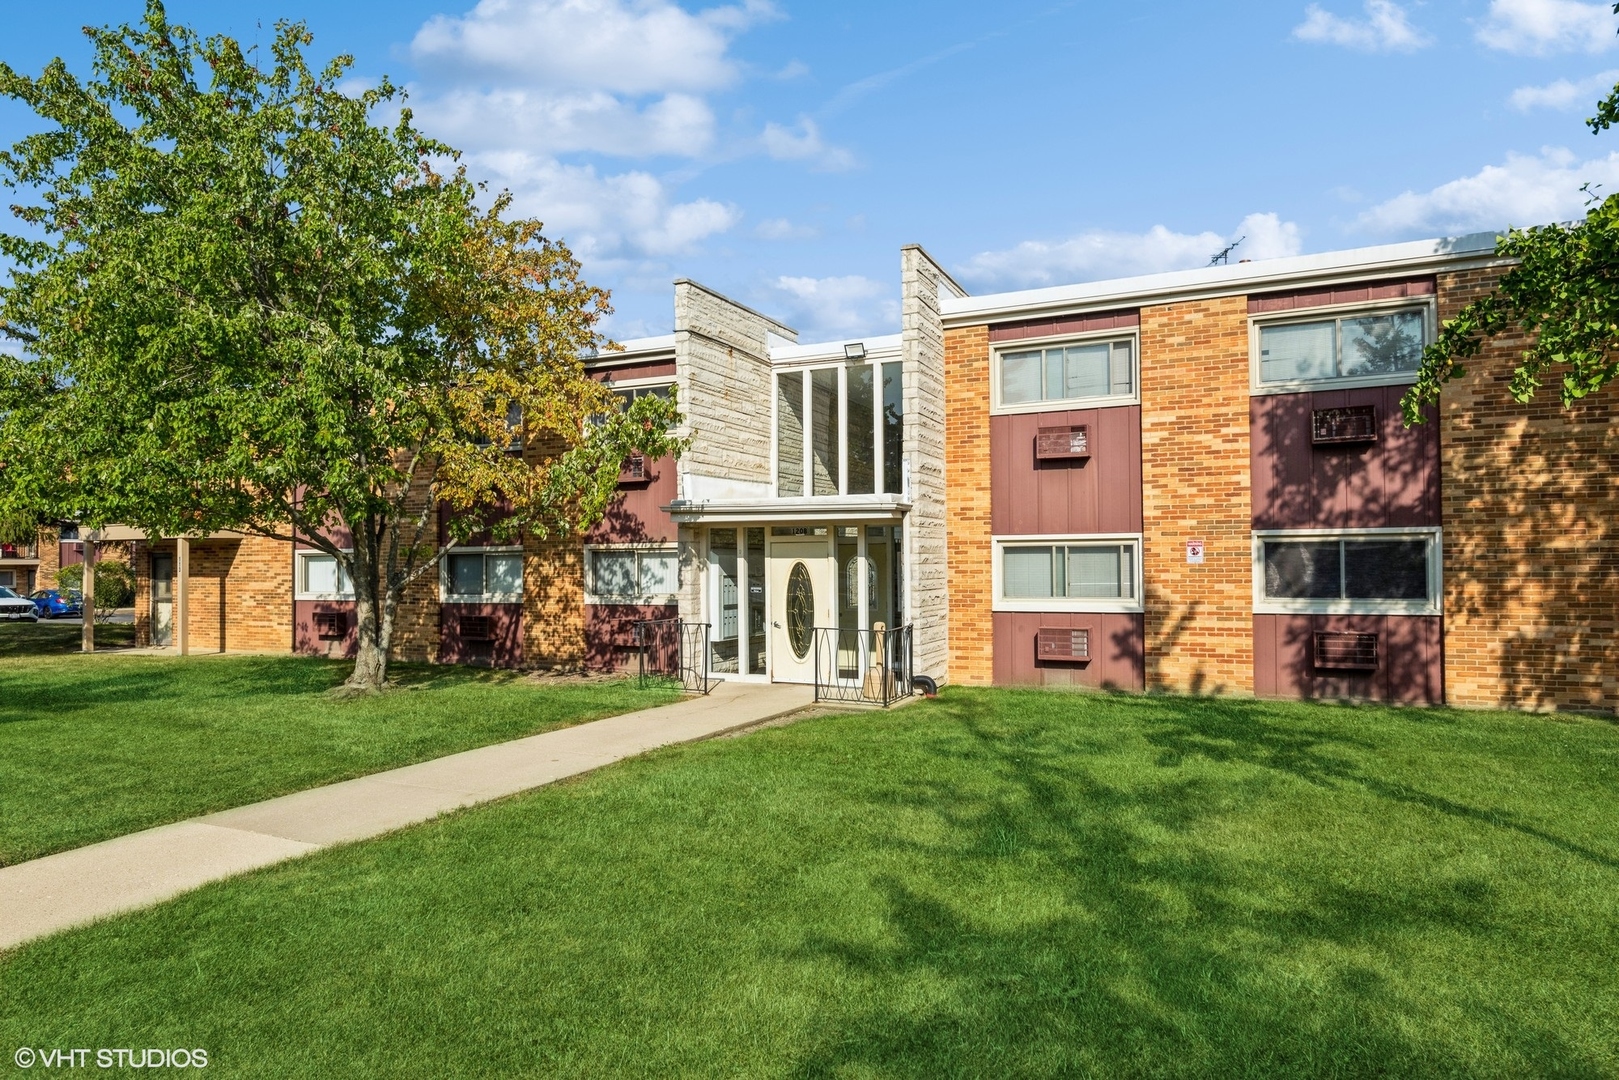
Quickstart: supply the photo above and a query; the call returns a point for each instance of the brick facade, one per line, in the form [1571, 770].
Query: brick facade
[240, 593]
[1531, 520]
[1195, 486]
[967, 487]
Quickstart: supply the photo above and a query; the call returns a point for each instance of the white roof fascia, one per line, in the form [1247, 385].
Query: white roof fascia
[1417, 256]
[833, 350]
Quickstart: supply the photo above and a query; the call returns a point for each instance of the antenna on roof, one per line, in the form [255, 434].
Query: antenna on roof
[1223, 256]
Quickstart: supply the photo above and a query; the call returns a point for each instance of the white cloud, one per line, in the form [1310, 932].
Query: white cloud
[1563, 94]
[1385, 29]
[782, 229]
[604, 217]
[1102, 254]
[1523, 191]
[837, 307]
[678, 124]
[805, 144]
[1538, 27]
[636, 47]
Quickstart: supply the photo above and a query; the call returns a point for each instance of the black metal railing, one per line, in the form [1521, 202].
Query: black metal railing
[871, 667]
[673, 651]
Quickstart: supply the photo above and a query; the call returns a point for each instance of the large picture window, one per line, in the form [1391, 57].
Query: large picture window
[320, 576]
[1378, 571]
[483, 576]
[632, 575]
[840, 430]
[1085, 371]
[1081, 574]
[1359, 348]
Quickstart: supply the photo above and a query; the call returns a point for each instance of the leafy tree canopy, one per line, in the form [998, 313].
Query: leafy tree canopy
[246, 304]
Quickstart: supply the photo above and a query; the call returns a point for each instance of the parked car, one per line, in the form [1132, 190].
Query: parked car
[56, 604]
[15, 607]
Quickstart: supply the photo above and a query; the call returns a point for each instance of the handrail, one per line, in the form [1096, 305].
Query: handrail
[871, 667]
[672, 650]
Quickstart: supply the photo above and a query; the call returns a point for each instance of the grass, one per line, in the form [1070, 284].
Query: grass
[94, 747]
[994, 884]
[44, 638]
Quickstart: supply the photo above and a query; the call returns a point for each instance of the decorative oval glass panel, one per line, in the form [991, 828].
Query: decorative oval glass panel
[800, 609]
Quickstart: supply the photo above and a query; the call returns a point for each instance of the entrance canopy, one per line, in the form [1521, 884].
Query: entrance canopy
[807, 511]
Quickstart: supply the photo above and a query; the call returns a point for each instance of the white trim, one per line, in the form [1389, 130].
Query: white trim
[639, 383]
[302, 555]
[1434, 605]
[447, 597]
[640, 600]
[1089, 337]
[1067, 604]
[1333, 312]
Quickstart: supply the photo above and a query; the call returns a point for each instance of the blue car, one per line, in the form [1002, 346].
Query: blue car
[56, 604]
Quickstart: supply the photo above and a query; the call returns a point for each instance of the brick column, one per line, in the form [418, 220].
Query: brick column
[967, 504]
[1195, 486]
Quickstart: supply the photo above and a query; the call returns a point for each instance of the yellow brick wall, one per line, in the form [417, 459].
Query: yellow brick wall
[1531, 541]
[1195, 486]
[967, 504]
[553, 603]
[239, 594]
[50, 558]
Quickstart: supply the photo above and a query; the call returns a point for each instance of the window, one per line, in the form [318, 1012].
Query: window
[1362, 348]
[1033, 378]
[483, 576]
[320, 577]
[631, 575]
[840, 430]
[1047, 574]
[1375, 571]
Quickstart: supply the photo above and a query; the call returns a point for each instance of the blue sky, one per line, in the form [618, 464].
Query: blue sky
[782, 151]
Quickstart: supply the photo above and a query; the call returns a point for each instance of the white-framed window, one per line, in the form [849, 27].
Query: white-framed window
[632, 574]
[491, 575]
[840, 429]
[1348, 571]
[1364, 345]
[1085, 371]
[319, 576]
[1067, 573]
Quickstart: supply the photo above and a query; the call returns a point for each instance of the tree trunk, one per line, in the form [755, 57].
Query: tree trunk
[372, 629]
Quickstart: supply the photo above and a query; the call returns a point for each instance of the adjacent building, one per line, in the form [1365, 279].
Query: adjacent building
[1192, 482]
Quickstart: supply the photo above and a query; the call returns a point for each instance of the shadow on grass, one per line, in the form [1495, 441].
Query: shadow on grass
[22, 640]
[1166, 956]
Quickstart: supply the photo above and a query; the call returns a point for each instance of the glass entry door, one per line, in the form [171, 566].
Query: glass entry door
[162, 599]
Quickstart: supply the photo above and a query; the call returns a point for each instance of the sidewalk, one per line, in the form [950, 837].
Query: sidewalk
[74, 887]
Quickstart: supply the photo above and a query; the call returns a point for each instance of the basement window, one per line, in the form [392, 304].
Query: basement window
[1373, 571]
[1081, 574]
[482, 576]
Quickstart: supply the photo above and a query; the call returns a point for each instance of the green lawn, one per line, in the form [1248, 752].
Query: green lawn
[96, 746]
[995, 884]
[48, 638]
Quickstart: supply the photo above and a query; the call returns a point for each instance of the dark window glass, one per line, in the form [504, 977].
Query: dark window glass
[1301, 570]
[862, 431]
[790, 434]
[893, 426]
[1386, 569]
[824, 425]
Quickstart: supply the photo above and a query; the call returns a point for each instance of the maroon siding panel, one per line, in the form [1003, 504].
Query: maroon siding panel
[637, 514]
[1073, 324]
[1098, 494]
[1411, 660]
[1117, 647]
[650, 369]
[306, 640]
[610, 633]
[1392, 483]
[505, 651]
[70, 552]
[1357, 293]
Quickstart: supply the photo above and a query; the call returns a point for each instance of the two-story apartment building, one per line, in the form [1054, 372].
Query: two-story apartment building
[1195, 481]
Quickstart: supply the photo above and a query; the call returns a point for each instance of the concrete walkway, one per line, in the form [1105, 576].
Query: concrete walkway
[73, 887]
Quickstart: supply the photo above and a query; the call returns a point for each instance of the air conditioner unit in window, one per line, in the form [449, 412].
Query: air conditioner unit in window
[476, 628]
[633, 470]
[331, 625]
[1339, 651]
[1352, 424]
[1062, 643]
[1062, 444]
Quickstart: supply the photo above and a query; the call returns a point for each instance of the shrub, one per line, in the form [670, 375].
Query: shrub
[115, 583]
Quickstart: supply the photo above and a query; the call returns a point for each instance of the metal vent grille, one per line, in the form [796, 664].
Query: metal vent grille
[331, 625]
[1352, 424]
[1063, 643]
[1057, 444]
[476, 628]
[633, 469]
[1340, 651]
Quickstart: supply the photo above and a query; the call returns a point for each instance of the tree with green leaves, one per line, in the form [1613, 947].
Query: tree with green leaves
[245, 303]
[1563, 291]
